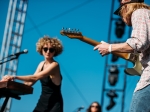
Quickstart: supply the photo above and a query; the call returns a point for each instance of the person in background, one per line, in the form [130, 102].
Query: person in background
[94, 107]
[48, 72]
[135, 13]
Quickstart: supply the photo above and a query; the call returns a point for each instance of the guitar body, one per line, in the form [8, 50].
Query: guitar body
[137, 68]
[134, 58]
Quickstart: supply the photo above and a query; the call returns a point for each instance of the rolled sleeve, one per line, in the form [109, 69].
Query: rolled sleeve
[139, 40]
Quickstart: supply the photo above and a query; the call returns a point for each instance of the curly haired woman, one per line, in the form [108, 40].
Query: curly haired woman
[48, 72]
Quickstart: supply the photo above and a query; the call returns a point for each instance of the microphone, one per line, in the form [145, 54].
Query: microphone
[16, 55]
[25, 51]
[80, 108]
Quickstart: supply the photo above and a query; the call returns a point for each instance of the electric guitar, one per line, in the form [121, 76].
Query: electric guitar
[134, 58]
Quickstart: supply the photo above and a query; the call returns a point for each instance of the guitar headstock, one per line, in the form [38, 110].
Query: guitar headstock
[71, 33]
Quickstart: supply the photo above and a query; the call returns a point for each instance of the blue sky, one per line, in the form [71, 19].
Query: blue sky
[81, 67]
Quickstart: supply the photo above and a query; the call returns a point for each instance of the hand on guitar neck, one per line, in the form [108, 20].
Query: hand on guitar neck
[134, 58]
[106, 50]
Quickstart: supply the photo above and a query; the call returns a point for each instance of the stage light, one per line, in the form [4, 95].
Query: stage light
[113, 75]
[120, 27]
[111, 94]
[111, 105]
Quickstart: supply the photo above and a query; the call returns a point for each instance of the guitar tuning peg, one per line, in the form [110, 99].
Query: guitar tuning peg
[78, 31]
[71, 31]
[74, 30]
[66, 30]
[63, 29]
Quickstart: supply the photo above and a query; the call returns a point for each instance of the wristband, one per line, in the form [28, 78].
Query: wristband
[109, 48]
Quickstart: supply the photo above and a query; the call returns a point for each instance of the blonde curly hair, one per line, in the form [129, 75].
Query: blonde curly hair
[55, 43]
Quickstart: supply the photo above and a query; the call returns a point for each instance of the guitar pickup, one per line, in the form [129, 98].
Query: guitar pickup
[133, 57]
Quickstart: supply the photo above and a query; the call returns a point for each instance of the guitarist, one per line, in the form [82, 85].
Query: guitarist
[135, 13]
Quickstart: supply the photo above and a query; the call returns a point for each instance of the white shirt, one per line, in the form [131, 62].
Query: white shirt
[140, 42]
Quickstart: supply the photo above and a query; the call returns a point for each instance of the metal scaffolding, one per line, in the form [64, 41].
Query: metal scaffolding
[12, 39]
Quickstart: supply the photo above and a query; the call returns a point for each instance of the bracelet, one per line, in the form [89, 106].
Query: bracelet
[109, 48]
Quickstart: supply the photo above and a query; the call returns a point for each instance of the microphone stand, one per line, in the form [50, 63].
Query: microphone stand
[79, 109]
[8, 60]
[7, 98]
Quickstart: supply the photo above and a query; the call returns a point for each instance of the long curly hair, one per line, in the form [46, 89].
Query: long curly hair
[55, 43]
[99, 107]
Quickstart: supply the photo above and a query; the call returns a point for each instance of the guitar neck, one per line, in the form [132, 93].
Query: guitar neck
[94, 43]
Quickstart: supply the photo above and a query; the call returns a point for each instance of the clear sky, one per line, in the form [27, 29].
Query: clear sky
[81, 67]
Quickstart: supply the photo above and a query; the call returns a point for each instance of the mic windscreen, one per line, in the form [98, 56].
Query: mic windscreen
[25, 51]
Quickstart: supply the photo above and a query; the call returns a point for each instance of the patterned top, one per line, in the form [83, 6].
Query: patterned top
[140, 42]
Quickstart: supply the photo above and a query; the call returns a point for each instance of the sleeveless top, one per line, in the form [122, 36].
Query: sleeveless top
[51, 98]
